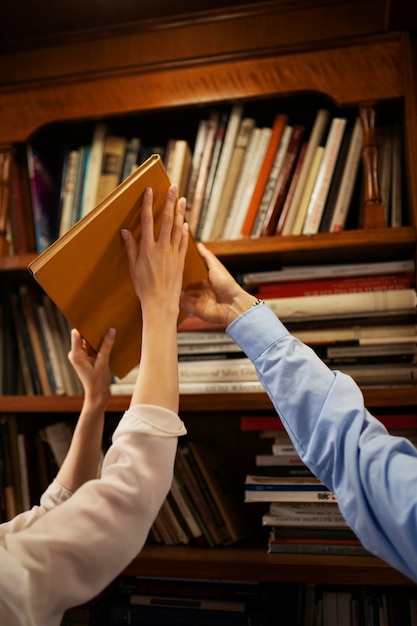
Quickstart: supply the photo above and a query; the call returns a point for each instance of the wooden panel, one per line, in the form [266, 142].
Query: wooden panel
[164, 36]
[348, 75]
[255, 564]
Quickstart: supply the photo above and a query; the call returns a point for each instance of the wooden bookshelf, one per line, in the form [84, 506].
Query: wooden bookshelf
[264, 50]
[253, 563]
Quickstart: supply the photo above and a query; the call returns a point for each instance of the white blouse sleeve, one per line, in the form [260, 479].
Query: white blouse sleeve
[72, 551]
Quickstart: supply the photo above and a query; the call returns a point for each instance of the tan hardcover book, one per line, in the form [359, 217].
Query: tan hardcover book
[85, 272]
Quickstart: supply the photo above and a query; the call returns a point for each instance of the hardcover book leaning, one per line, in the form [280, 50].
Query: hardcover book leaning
[85, 271]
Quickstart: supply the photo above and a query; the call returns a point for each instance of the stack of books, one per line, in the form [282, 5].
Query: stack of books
[302, 514]
[354, 316]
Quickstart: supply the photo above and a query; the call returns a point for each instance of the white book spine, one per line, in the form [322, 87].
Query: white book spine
[324, 176]
[344, 305]
[306, 272]
[186, 388]
[316, 135]
[240, 184]
[233, 370]
[347, 183]
[222, 169]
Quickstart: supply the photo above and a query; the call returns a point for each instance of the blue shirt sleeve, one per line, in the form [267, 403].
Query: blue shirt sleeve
[372, 473]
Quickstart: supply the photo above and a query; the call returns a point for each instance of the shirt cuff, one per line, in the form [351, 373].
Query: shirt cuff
[256, 329]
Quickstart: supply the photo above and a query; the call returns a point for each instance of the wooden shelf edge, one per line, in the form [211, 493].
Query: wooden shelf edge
[237, 563]
[402, 239]
[374, 397]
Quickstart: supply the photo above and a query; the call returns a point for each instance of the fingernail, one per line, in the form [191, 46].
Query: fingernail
[148, 191]
[182, 202]
[173, 190]
[124, 233]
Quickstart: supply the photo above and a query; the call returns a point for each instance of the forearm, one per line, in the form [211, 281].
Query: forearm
[157, 380]
[82, 460]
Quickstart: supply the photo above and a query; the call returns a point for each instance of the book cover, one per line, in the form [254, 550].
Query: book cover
[96, 292]
[278, 126]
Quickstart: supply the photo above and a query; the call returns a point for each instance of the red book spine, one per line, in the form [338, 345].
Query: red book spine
[335, 285]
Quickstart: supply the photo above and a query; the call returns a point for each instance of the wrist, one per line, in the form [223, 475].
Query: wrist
[242, 303]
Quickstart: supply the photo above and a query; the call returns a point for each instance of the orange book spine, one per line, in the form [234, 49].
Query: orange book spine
[281, 120]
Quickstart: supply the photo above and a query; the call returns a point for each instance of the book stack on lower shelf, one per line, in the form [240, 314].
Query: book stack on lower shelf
[201, 508]
[301, 514]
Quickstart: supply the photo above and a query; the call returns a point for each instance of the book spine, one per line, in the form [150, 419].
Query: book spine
[221, 171]
[335, 285]
[343, 304]
[195, 211]
[347, 183]
[296, 214]
[324, 176]
[308, 190]
[268, 197]
[267, 166]
[251, 279]
[286, 219]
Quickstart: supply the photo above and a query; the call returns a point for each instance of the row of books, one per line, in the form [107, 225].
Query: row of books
[139, 600]
[35, 344]
[353, 316]
[302, 515]
[201, 508]
[241, 177]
